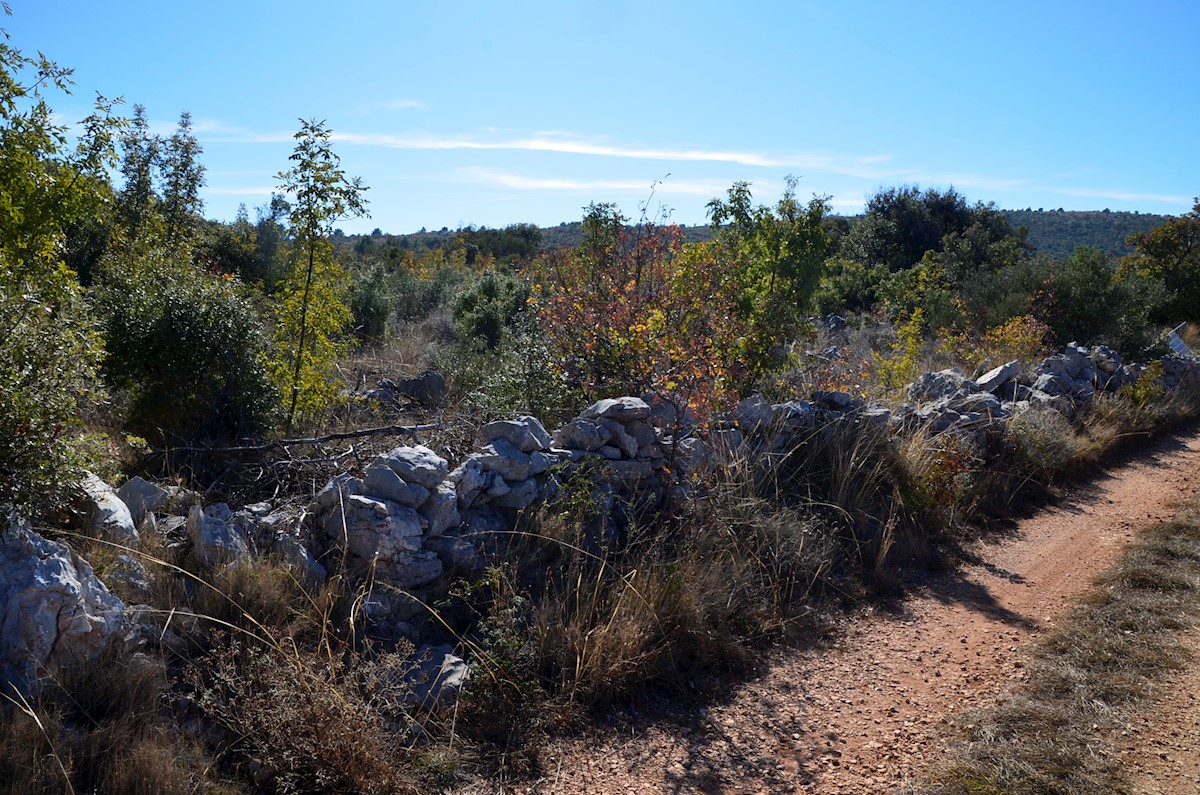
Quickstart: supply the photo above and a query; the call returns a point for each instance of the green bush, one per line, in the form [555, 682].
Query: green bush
[489, 306]
[48, 358]
[188, 349]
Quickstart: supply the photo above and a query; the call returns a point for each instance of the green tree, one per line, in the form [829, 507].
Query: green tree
[312, 313]
[182, 178]
[186, 347]
[1170, 255]
[49, 350]
[779, 253]
[138, 200]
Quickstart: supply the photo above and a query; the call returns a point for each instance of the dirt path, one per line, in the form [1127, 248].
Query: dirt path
[868, 715]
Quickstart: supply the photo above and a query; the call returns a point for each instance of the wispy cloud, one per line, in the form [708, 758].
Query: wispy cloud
[976, 181]
[564, 145]
[667, 186]
[1125, 195]
[872, 166]
[395, 104]
[876, 167]
[252, 191]
[405, 104]
[220, 132]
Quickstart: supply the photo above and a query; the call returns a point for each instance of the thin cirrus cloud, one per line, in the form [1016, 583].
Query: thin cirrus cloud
[1124, 195]
[875, 167]
[866, 166]
[666, 186]
[248, 191]
[561, 145]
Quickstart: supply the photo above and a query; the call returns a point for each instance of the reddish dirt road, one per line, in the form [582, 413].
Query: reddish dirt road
[869, 715]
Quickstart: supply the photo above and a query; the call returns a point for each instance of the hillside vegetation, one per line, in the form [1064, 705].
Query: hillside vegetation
[1057, 233]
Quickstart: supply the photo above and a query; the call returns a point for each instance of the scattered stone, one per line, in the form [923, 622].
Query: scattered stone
[754, 414]
[505, 459]
[622, 409]
[620, 439]
[129, 577]
[441, 510]
[434, 677]
[935, 386]
[581, 434]
[994, 379]
[525, 433]
[519, 495]
[381, 480]
[141, 497]
[417, 464]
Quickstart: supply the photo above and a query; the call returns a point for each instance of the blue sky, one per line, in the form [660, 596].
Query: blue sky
[491, 113]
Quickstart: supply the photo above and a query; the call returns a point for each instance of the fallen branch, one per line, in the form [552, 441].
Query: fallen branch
[333, 437]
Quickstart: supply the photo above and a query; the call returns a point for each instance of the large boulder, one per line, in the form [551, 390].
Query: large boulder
[427, 388]
[216, 539]
[527, 434]
[53, 610]
[108, 517]
[943, 384]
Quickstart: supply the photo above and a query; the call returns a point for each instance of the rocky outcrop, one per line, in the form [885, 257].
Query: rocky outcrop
[54, 612]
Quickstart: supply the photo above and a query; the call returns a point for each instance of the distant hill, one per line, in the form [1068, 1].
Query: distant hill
[569, 235]
[1054, 232]
[1058, 232]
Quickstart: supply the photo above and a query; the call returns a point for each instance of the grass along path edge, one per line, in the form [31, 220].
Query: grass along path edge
[1090, 679]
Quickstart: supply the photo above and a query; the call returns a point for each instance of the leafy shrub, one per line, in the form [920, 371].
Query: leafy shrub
[847, 285]
[1043, 442]
[49, 353]
[188, 349]
[632, 310]
[1021, 338]
[903, 363]
[489, 306]
[1148, 388]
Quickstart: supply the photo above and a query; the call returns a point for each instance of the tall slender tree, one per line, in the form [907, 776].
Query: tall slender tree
[312, 312]
[182, 178]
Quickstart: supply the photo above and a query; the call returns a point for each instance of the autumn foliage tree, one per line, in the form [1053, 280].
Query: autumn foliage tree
[632, 310]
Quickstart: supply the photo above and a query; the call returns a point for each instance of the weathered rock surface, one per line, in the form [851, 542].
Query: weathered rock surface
[215, 539]
[434, 676]
[108, 517]
[142, 497]
[53, 610]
